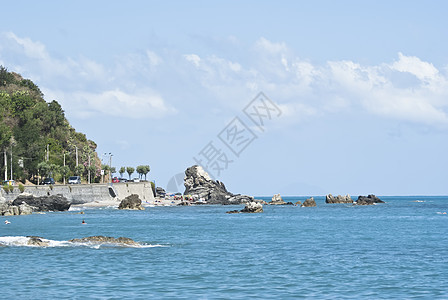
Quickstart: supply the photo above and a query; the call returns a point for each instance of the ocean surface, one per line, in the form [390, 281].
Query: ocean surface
[397, 250]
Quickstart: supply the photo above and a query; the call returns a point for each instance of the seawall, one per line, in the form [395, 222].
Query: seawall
[85, 193]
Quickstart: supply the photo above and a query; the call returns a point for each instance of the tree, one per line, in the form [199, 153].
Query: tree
[140, 171]
[79, 170]
[146, 170]
[121, 171]
[65, 170]
[130, 170]
[43, 168]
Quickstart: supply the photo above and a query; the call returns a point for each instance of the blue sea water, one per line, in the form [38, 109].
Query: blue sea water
[394, 250]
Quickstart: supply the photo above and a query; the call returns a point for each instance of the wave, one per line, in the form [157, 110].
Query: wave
[30, 241]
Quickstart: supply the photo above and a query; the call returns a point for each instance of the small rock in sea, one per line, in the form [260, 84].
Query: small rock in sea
[99, 239]
[369, 200]
[132, 202]
[309, 202]
[298, 203]
[36, 241]
[277, 200]
[338, 199]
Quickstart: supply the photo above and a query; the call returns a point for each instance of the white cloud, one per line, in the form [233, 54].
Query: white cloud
[145, 104]
[193, 58]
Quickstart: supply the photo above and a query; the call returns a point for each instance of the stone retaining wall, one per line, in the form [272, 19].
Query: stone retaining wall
[84, 193]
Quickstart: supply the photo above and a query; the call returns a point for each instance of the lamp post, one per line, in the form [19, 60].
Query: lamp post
[110, 165]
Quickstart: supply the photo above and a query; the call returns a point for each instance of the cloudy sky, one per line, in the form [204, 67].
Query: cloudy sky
[290, 97]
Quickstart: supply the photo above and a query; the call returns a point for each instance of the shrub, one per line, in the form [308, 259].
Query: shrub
[11, 188]
[153, 187]
[51, 187]
[6, 188]
[21, 187]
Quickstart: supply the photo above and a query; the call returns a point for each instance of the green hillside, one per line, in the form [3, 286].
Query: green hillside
[29, 126]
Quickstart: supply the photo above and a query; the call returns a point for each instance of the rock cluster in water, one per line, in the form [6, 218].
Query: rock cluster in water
[338, 199]
[201, 187]
[132, 202]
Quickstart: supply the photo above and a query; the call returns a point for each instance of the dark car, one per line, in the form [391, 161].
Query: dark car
[48, 180]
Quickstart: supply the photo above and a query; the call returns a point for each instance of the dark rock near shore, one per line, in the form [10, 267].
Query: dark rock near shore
[132, 202]
[338, 199]
[43, 203]
[309, 202]
[369, 200]
[201, 187]
[99, 239]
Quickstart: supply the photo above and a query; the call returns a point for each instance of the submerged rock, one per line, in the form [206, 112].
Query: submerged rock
[338, 199]
[251, 207]
[36, 241]
[132, 202]
[309, 202]
[201, 187]
[369, 200]
[43, 203]
[100, 239]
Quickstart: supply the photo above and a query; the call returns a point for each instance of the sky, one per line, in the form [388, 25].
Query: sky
[289, 97]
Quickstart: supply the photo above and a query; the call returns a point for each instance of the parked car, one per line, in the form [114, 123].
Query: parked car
[115, 179]
[136, 179]
[9, 182]
[48, 180]
[122, 180]
[74, 180]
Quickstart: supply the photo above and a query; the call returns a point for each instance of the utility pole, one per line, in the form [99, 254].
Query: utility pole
[10, 167]
[89, 168]
[6, 166]
[76, 155]
[64, 168]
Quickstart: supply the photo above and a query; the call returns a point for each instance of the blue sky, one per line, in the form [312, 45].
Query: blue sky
[360, 88]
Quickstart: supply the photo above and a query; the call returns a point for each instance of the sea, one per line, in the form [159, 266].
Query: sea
[395, 250]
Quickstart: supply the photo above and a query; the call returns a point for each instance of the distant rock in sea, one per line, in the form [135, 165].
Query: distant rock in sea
[338, 199]
[369, 200]
[131, 202]
[309, 202]
[251, 207]
[201, 187]
[277, 200]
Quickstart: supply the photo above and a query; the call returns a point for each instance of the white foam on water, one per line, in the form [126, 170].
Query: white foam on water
[22, 241]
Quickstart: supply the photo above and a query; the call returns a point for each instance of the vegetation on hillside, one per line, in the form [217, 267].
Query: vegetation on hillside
[37, 138]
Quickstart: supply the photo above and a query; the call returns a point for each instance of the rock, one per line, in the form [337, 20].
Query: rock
[160, 192]
[298, 203]
[339, 199]
[131, 202]
[7, 209]
[36, 241]
[252, 207]
[369, 200]
[309, 202]
[100, 239]
[277, 200]
[43, 203]
[200, 186]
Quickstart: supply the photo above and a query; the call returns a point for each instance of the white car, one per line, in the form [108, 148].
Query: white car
[74, 180]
